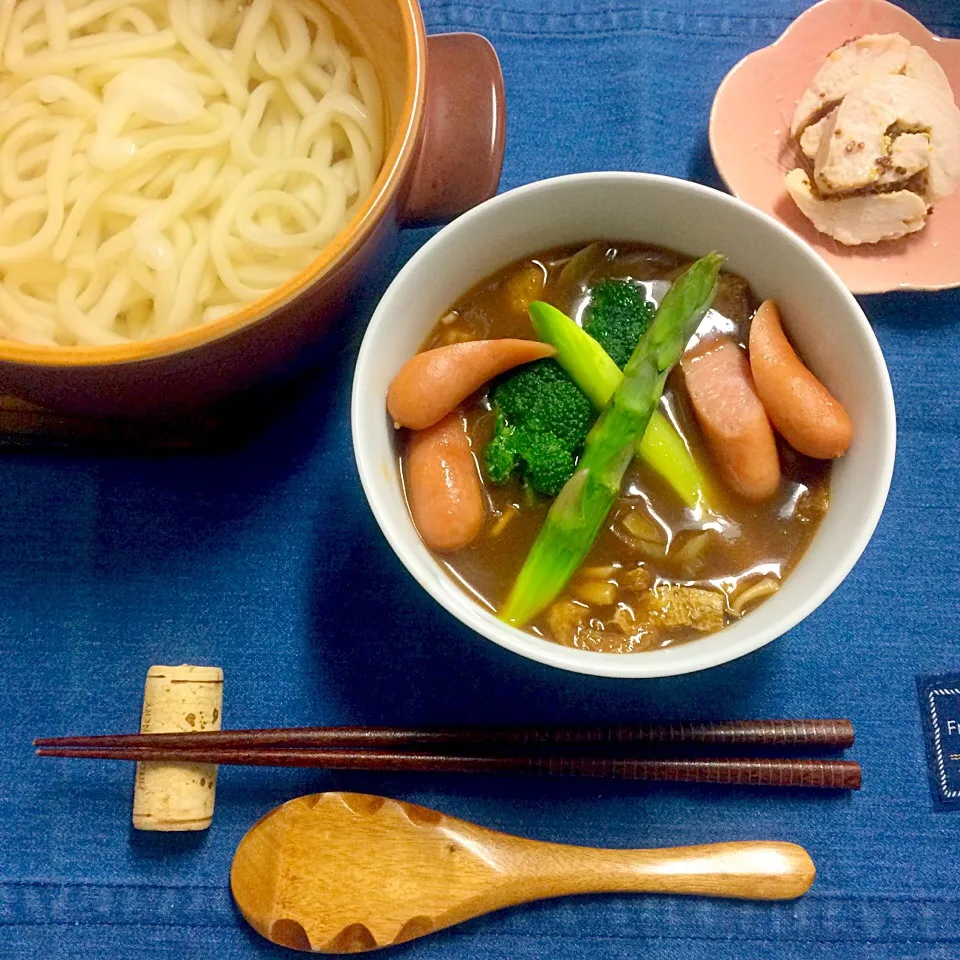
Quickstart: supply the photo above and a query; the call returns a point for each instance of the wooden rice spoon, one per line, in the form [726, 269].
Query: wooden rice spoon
[349, 872]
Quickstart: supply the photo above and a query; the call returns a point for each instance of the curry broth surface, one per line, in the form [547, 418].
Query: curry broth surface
[746, 542]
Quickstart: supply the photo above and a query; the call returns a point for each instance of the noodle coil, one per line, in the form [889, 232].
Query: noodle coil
[164, 162]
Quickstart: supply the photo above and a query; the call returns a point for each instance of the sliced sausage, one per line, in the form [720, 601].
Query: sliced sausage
[433, 383]
[804, 412]
[732, 418]
[443, 485]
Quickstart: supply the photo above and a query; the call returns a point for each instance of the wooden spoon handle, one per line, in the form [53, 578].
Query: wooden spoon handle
[754, 870]
[748, 870]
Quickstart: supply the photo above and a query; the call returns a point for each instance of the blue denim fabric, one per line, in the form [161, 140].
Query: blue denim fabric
[267, 562]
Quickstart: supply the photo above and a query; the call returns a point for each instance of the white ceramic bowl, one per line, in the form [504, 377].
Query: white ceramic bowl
[823, 319]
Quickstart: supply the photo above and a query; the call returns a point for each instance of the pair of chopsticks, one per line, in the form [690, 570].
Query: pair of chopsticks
[580, 751]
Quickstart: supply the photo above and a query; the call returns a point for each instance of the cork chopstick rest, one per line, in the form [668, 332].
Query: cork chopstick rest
[176, 795]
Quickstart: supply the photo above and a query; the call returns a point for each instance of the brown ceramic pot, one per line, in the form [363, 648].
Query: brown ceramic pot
[445, 115]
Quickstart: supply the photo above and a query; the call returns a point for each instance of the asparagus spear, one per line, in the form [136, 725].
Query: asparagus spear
[578, 513]
[661, 447]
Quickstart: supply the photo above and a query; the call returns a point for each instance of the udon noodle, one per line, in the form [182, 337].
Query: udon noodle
[163, 162]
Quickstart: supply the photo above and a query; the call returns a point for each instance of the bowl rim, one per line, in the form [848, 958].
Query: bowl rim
[628, 666]
[400, 155]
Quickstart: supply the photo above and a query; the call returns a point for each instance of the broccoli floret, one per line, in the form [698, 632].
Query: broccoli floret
[548, 461]
[542, 396]
[542, 421]
[618, 315]
[542, 416]
[501, 453]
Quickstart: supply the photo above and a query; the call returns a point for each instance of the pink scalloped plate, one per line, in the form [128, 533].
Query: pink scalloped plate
[750, 142]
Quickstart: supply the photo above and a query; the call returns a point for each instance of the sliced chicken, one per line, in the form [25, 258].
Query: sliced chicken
[861, 219]
[856, 148]
[850, 67]
[910, 154]
[880, 128]
[811, 138]
[921, 66]
[859, 63]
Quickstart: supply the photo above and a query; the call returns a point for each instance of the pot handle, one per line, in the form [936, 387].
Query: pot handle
[461, 148]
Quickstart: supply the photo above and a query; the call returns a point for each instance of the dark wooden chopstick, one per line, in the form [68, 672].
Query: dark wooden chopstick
[741, 734]
[757, 772]
[547, 750]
